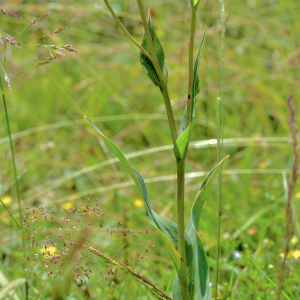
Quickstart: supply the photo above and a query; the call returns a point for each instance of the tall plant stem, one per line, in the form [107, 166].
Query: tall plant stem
[12, 154]
[191, 68]
[180, 208]
[163, 84]
[180, 163]
[15, 176]
[220, 121]
[180, 221]
[169, 111]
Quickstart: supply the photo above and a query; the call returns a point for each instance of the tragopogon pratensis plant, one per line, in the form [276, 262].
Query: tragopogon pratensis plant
[183, 244]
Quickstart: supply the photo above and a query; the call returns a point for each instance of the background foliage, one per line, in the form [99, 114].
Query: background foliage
[60, 161]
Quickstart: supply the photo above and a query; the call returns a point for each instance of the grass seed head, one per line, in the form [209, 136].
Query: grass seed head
[60, 241]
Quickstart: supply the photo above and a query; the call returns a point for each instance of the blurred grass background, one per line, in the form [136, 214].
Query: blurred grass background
[60, 160]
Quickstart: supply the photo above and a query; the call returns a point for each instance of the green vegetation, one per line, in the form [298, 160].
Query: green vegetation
[59, 160]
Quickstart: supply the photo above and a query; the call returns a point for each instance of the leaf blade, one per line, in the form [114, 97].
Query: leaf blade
[199, 285]
[159, 51]
[195, 89]
[182, 143]
[196, 81]
[166, 228]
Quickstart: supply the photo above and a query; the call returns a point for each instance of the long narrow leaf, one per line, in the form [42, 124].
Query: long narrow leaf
[196, 81]
[199, 285]
[195, 90]
[167, 229]
[269, 279]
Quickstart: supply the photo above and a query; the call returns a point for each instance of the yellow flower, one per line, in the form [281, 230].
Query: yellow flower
[292, 254]
[68, 205]
[138, 202]
[296, 253]
[294, 240]
[6, 199]
[49, 252]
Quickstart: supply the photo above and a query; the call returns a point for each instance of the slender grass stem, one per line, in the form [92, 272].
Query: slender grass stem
[125, 31]
[10, 214]
[163, 84]
[156, 291]
[191, 68]
[15, 177]
[220, 126]
[12, 153]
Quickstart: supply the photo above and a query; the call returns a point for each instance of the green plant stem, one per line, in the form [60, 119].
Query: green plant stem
[125, 31]
[15, 176]
[220, 123]
[12, 217]
[12, 153]
[169, 111]
[191, 68]
[180, 221]
[163, 84]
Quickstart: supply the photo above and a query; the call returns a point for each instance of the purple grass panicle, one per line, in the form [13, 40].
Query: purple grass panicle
[292, 120]
[38, 19]
[59, 238]
[11, 40]
[11, 13]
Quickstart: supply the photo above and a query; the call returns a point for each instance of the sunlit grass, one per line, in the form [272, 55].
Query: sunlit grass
[105, 81]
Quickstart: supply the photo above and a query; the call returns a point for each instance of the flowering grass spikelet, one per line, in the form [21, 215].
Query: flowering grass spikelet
[54, 239]
[11, 13]
[58, 30]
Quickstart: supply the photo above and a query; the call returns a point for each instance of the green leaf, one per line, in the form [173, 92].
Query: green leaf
[269, 279]
[182, 125]
[196, 81]
[195, 90]
[199, 286]
[146, 63]
[176, 292]
[167, 229]
[181, 144]
[195, 3]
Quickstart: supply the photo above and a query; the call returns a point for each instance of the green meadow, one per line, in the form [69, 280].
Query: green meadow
[62, 162]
